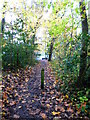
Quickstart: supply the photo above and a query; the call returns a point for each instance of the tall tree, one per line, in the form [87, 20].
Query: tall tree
[83, 56]
[3, 19]
[51, 49]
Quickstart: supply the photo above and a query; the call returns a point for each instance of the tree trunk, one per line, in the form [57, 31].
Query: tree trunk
[17, 59]
[51, 49]
[3, 19]
[2, 25]
[83, 56]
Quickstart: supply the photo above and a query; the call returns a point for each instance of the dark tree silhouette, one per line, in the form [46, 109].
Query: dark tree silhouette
[83, 56]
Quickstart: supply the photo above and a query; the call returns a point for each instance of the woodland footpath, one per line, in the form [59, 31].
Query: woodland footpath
[53, 86]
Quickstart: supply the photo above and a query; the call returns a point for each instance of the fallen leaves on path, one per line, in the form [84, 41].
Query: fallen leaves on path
[22, 92]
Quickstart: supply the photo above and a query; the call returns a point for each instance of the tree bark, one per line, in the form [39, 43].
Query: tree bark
[3, 19]
[2, 25]
[50, 53]
[83, 56]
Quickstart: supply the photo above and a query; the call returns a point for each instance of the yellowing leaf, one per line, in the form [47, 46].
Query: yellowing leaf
[48, 105]
[55, 113]
[3, 113]
[66, 96]
[86, 111]
[32, 100]
[7, 101]
[50, 87]
[18, 75]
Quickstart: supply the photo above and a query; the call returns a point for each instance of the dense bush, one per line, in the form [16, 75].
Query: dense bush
[17, 46]
[17, 55]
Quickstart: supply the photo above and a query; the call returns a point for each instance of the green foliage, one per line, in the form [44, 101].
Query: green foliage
[17, 51]
[17, 55]
[49, 5]
[67, 52]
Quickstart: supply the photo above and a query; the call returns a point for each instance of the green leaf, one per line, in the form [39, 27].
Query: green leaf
[49, 5]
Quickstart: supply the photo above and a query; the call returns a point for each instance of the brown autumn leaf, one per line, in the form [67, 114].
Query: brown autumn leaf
[51, 92]
[56, 81]
[43, 92]
[16, 94]
[66, 104]
[26, 68]
[4, 95]
[43, 115]
[13, 103]
[47, 80]
[0, 82]
[70, 110]
[0, 102]
[26, 79]
[60, 108]
[60, 100]
[50, 87]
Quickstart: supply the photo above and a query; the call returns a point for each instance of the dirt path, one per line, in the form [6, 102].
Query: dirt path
[29, 102]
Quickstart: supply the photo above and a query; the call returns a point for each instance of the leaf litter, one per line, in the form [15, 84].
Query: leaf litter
[23, 97]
